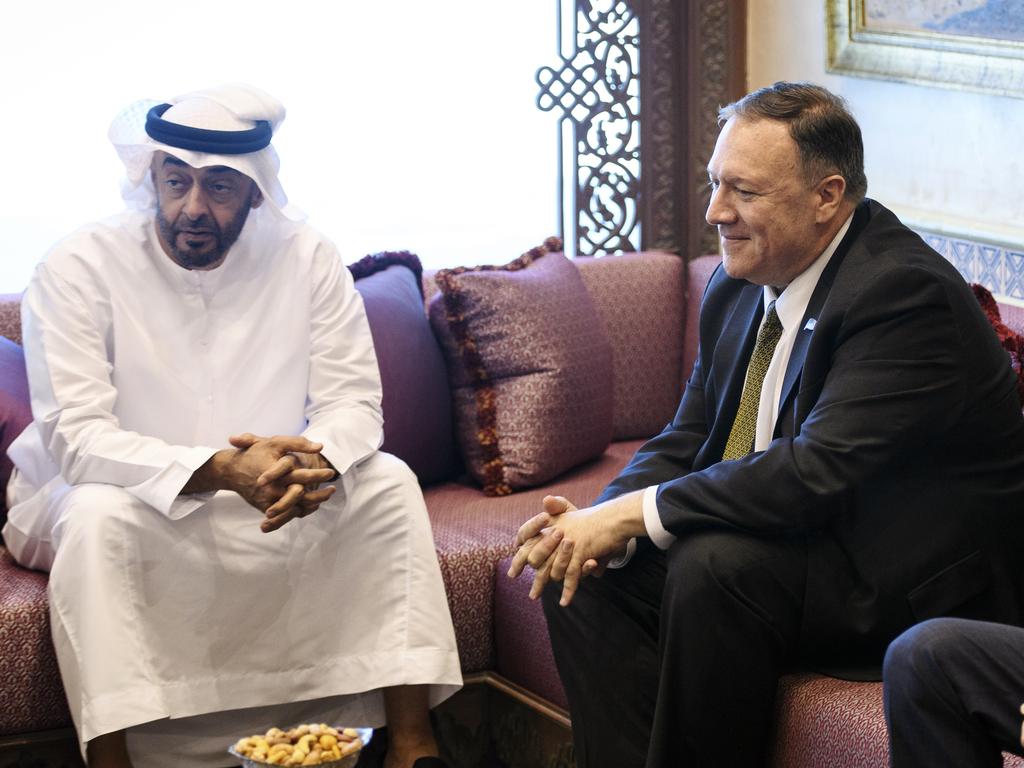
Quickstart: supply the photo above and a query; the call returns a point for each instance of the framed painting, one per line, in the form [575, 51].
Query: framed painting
[973, 45]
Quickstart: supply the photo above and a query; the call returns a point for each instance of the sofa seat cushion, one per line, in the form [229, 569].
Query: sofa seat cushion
[824, 721]
[818, 720]
[31, 695]
[472, 532]
[522, 647]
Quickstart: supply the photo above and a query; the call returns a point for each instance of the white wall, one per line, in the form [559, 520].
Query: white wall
[411, 125]
[946, 159]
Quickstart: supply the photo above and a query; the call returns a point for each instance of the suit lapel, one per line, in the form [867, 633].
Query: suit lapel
[796, 358]
[814, 307]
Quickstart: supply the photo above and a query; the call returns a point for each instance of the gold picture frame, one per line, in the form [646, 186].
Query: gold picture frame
[861, 42]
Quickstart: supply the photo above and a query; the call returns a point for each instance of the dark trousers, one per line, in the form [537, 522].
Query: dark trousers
[953, 690]
[674, 659]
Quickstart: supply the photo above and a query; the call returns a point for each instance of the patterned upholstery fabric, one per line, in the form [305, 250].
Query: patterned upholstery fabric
[521, 641]
[699, 271]
[631, 300]
[823, 721]
[640, 297]
[529, 366]
[473, 532]
[10, 316]
[1012, 316]
[31, 694]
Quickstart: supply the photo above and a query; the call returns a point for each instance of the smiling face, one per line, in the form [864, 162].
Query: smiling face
[200, 211]
[772, 221]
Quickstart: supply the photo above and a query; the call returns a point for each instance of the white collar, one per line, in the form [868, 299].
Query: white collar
[791, 304]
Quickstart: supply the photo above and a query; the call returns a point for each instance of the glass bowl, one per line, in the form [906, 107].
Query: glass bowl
[349, 761]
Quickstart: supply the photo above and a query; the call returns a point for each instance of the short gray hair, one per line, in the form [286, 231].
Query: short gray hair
[821, 124]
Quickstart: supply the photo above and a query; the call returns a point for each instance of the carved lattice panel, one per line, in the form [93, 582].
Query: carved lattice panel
[596, 90]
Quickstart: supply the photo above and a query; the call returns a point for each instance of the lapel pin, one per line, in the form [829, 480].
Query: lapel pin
[809, 325]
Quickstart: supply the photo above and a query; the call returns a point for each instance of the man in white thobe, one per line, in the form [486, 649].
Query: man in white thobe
[227, 548]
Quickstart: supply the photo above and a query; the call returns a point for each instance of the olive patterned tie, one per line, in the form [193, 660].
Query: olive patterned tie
[744, 428]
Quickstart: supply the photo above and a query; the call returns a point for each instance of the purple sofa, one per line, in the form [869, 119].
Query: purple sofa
[648, 305]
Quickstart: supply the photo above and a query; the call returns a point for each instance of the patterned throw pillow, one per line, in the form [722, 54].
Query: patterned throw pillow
[1012, 341]
[529, 365]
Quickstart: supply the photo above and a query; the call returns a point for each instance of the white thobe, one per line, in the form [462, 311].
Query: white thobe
[171, 606]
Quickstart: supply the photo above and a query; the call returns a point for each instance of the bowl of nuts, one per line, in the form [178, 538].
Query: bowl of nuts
[310, 744]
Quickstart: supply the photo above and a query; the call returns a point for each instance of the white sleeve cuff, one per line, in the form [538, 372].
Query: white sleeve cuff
[625, 557]
[161, 491]
[345, 448]
[652, 520]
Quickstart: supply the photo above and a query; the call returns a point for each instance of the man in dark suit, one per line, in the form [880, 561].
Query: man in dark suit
[847, 460]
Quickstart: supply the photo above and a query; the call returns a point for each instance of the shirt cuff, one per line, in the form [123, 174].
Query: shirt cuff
[625, 557]
[652, 520]
[161, 491]
[334, 455]
[346, 449]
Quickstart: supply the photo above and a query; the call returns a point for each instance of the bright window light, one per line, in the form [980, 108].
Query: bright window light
[411, 125]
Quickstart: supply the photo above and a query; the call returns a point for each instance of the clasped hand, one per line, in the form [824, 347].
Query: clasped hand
[280, 476]
[564, 543]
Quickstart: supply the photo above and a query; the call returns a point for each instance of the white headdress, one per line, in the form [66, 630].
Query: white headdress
[230, 125]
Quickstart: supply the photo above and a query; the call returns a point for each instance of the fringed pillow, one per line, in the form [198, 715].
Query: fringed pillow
[529, 365]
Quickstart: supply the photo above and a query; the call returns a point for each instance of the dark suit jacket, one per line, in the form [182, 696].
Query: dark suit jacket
[898, 453]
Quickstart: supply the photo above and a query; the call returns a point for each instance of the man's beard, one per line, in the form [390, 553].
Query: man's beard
[193, 256]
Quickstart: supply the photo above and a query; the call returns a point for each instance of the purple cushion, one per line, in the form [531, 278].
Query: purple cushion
[530, 368]
[472, 532]
[641, 299]
[522, 645]
[15, 411]
[417, 403]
